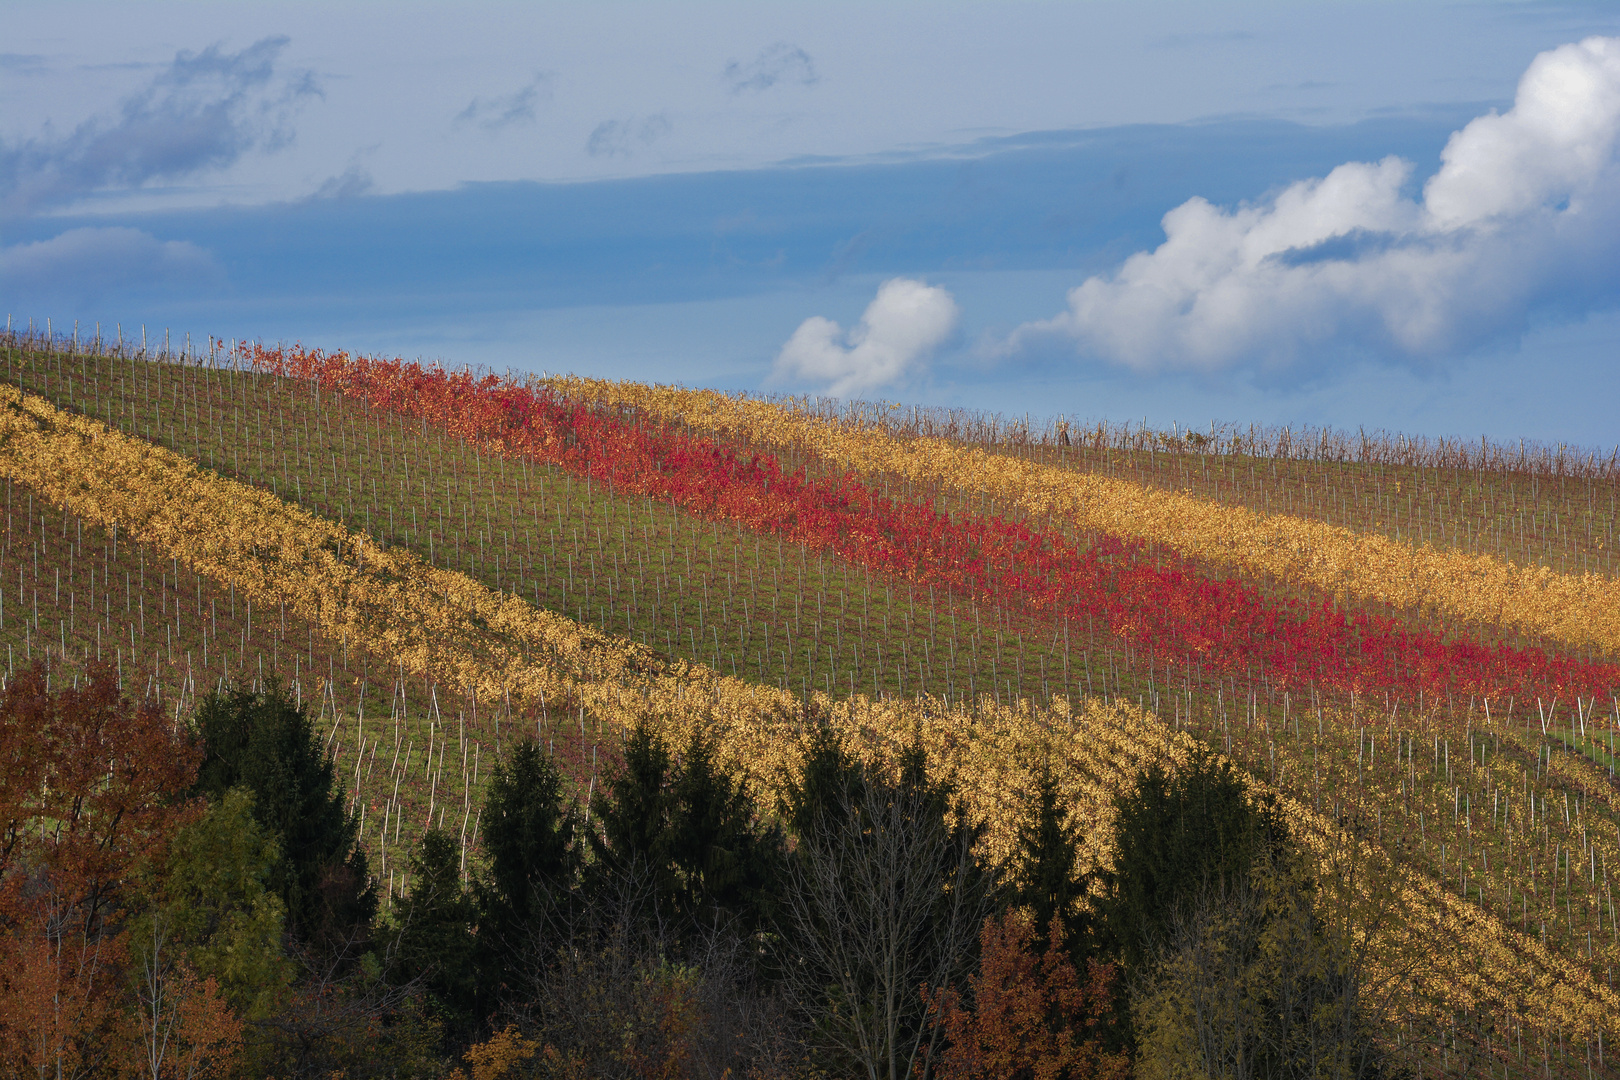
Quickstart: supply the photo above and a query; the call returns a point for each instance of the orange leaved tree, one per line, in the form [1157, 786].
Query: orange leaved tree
[1032, 1016]
[89, 794]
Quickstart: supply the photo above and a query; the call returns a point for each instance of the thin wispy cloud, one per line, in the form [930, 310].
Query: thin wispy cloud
[622, 138]
[901, 328]
[1521, 221]
[1200, 39]
[781, 64]
[351, 183]
[518, 107]
[23, 64]
[86, 260]
[201, 112]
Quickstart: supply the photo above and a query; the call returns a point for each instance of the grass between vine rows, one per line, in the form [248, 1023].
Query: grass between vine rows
[705, 591]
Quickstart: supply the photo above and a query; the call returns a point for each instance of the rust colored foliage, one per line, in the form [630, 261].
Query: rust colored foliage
[495, 1059]
[1032, 1016]
[89, 792]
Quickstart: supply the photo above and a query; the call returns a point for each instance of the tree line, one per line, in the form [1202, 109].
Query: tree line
[190, 900]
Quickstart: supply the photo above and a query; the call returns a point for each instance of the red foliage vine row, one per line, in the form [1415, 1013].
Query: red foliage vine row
[1156, 601]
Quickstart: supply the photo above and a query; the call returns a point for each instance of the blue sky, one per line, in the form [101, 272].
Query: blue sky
[1380, 214]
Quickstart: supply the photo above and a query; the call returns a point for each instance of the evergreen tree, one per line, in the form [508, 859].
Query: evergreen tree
[631, 842]
[685, 839]
[830, 784]
[211, 900]
[933, 796]
[1047, 879]
[529, 835]
[264, 742]
[729, 864]
[1175, 836]
[436, 936]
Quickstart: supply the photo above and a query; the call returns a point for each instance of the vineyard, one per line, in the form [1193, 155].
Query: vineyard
[1412, 648]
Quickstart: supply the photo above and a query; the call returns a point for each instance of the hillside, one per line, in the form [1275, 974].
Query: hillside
[1415, 648]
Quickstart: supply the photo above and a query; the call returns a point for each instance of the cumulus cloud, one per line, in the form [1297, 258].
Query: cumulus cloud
[90, 260]
[202, 111]
[780, 64]
[1522, 219]
[518, 107]
[621, 138]
[901, 327]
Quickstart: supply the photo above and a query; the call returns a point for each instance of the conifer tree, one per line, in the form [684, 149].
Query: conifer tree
[436, 935]
[631, 841]
[688, 837]
[831, 778]
[264, 742]
[531, 838]
[1047, 879]
[1175, 836]
[729, 863]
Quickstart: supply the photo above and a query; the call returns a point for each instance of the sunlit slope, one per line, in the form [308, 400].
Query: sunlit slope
[1533, 504]
[1482, 810]
[435, 622]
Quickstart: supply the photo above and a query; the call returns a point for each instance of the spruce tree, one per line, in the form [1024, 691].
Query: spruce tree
[631, 841]
[829, 786]
[1176, 835]
[1047, 879]
[686, 839]
[529, 833]
[729, 864]
[436, 943]
[264, 742]
[530, 836]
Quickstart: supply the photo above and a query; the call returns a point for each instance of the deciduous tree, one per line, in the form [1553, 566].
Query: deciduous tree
[885, 897]
[91, 789]
[1028, 1015]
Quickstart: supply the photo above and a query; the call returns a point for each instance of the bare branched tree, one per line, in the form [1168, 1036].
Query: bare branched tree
[611, 990]
[344, 1016]
[886, 899]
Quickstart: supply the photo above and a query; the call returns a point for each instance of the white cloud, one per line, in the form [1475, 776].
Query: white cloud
[903, 324]
[1522, 218]
[88, 260]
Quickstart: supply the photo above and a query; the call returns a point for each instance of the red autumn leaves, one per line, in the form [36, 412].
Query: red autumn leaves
[1167, 610]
